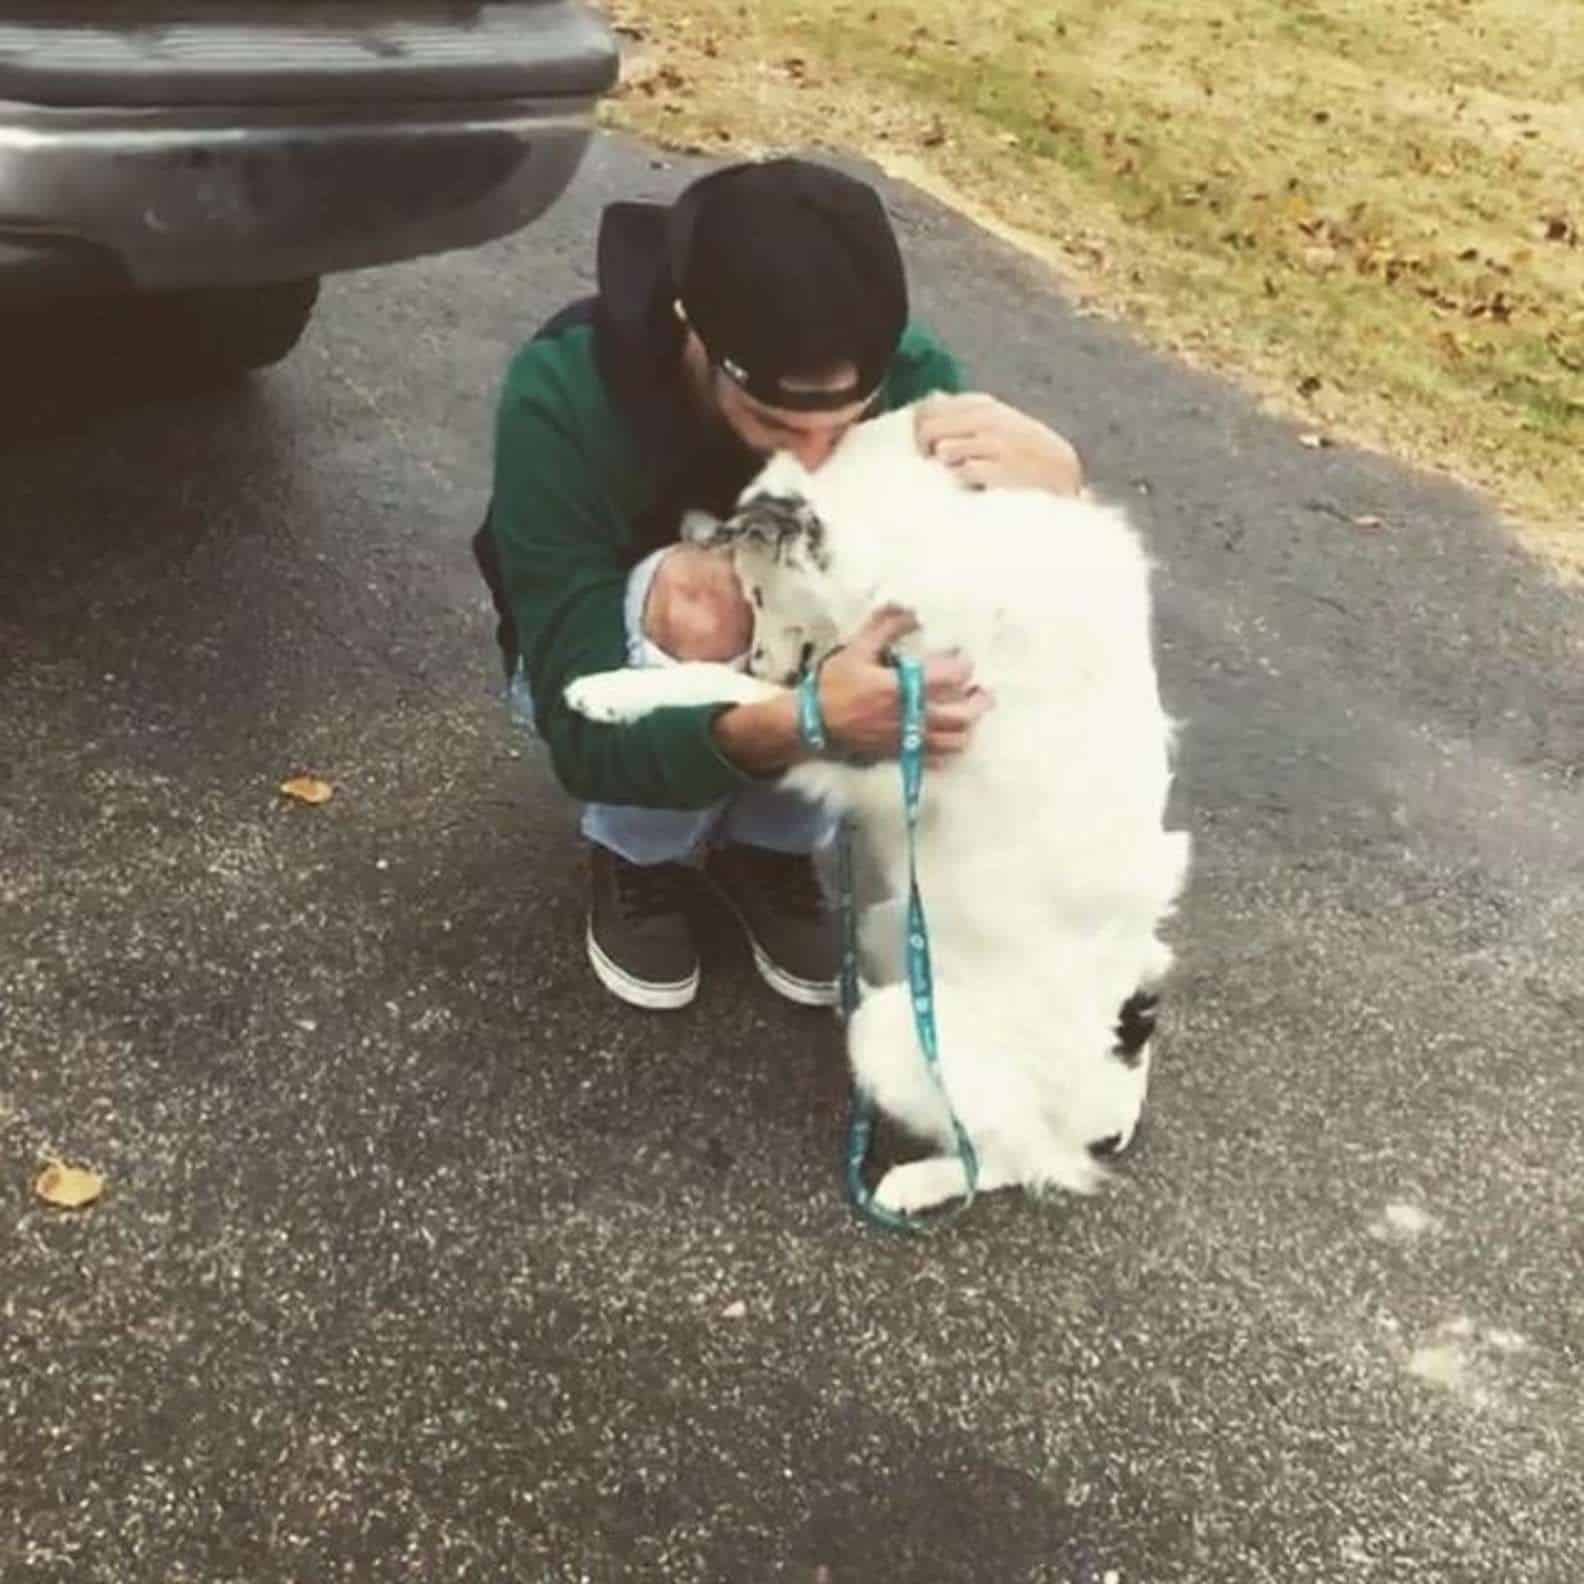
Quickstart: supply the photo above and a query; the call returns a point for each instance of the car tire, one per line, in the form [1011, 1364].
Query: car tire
[226, 331]
[73, 355]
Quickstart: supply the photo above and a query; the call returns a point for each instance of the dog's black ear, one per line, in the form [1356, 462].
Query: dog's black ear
[788, 525]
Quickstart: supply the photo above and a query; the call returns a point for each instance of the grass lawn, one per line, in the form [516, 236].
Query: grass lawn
[1370, 213]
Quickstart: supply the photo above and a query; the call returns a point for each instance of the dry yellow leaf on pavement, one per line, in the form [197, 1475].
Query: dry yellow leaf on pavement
[308, 789]
[70, 1187]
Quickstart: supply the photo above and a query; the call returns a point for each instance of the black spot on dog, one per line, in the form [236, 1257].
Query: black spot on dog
[1135, 1025]
[787, 523]
[758, 597]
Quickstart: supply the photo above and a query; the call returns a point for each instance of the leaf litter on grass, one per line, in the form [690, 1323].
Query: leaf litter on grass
[1369, 215]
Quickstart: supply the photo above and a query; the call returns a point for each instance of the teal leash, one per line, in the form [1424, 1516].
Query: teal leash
[921, 983]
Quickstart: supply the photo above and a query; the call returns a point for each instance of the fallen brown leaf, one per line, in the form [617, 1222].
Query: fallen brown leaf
[1569, 357]
[69, 1187]
[308, 789]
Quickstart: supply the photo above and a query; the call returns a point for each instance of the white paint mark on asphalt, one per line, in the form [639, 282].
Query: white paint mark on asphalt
[1506, 1341]
[1463, 1358]
[1403, 1222]
[1442, 1364]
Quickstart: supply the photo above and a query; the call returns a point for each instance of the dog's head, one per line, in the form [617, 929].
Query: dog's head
[780, 550]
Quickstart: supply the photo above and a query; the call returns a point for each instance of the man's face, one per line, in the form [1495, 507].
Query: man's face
[809, 436]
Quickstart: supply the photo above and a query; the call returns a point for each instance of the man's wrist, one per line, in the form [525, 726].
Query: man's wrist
[761, 739]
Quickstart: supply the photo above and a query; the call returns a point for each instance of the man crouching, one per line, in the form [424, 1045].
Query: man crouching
[766, 310]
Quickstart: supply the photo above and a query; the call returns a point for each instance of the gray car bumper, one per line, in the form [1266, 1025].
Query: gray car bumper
[201, 196]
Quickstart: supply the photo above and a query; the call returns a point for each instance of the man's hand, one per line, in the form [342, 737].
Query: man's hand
[860, 696]
[861, 701]
[985, 442]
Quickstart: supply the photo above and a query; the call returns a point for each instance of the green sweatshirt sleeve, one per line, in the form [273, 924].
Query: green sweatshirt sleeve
[562, 539]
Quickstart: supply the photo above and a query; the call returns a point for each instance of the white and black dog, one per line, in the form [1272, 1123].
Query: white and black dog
[1042, 861]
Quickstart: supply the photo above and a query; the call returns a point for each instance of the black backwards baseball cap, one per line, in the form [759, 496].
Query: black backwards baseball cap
[786, 270]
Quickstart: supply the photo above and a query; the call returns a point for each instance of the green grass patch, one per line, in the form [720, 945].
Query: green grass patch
[1372, 215]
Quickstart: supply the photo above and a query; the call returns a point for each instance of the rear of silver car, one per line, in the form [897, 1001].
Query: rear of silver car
[213, 142]
[157, 146]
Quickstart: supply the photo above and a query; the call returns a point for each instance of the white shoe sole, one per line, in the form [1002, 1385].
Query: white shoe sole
[803, 992]
[643, 993]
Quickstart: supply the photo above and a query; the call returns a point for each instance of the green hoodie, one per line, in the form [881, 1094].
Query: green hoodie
[597, 453]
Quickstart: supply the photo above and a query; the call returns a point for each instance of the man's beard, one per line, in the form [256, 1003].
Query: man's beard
[730, 464]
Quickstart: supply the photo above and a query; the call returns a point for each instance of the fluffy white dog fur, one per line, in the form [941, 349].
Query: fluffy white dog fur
[1042, 861]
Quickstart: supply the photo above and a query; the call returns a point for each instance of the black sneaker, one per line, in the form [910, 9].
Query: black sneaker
[790, 924]
[639, 944]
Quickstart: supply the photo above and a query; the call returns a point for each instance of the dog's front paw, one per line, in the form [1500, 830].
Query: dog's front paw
[609, 696]
[921, 1184]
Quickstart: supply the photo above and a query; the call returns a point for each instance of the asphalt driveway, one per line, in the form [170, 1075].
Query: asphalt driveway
[420, 1259]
